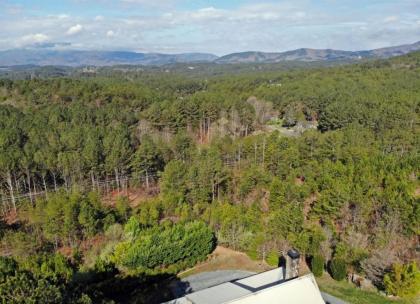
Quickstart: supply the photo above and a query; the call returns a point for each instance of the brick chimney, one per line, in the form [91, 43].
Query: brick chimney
[292, 264]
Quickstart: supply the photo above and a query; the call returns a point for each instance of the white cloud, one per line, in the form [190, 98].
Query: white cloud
[75, 29]
[33, 39]
[265, 26]
[207, 13]
[110, 34]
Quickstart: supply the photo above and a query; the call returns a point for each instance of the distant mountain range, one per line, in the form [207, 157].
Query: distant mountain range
[43, 57]
[311, 55]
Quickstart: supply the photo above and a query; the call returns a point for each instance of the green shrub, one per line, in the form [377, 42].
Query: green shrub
[161, 247]
[53, 267]
[253, 254]
[123, 209]
[7, 267]
[24, 286]
[403, 281]
[338, 269]
[317, 265]
[273, 258]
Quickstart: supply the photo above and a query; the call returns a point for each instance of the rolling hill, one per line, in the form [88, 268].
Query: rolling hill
[43, 57]
[309, 55]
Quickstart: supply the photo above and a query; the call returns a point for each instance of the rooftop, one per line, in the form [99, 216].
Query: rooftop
[267, 287]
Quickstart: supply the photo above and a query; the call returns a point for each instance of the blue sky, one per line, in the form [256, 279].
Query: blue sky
[220, 27]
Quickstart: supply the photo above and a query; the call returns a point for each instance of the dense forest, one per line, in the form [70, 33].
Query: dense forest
[322, 159]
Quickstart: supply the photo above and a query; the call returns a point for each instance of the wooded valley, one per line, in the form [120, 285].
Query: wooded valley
[321, 159]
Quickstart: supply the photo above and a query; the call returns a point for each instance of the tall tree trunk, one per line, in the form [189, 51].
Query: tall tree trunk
[55, 181]
[147, 179]
[208, 129]
[45, 185]
[255, 152]
[12, 194]
[98, 186]
[17, 184]
[93, 180]
[201, 130]
[213, 190]
[3, 204]
[263, 152]
[117, 179]
[218, 187]
[28, 176]
[66, 183]
[126, 186]
[264, 253]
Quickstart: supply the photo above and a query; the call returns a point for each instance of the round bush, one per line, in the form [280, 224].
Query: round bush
[338, 269]
[272, 258]
[317, 265]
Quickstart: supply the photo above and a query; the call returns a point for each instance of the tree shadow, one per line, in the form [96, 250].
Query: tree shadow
[109, 287]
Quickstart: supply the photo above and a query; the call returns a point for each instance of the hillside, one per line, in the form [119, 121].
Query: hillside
[94, 58]
[115, 180]
[46, 57]
[310, 55]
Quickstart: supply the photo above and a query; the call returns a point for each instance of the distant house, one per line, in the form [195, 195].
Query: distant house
[280, 285]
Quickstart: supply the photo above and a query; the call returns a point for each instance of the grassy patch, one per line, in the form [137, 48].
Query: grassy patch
[275, 122]
[226, 259]
[348, 292]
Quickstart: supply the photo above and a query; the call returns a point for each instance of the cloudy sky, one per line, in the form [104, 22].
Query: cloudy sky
[218, 26]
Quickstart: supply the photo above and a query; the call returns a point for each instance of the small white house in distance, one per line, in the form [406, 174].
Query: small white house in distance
[277, 286]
